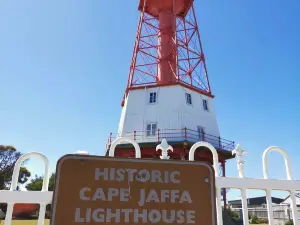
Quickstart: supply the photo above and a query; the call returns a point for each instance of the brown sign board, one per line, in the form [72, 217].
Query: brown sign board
[108, 190]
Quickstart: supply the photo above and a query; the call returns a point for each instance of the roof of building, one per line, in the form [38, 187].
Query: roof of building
[256, 201]
[296, 194]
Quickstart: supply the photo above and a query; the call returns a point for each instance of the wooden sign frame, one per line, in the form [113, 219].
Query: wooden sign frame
[191, 169]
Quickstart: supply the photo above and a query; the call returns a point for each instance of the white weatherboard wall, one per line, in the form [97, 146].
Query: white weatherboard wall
[169, 112]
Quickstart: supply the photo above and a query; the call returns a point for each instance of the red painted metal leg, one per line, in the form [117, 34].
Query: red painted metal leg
[224, 193]
[166, 49]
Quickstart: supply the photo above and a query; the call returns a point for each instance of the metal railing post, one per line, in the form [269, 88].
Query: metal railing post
[134, 135]
[110, 138]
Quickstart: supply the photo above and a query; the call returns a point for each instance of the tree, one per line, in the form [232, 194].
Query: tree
[8, 158]
[37, 183]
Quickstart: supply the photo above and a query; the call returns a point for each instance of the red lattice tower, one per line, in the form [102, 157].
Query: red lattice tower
[167, 49]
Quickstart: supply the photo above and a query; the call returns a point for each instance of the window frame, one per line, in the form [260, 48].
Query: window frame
[152, 132]
[188, 98]
[201, 132]
[149, 99]
[205, 105]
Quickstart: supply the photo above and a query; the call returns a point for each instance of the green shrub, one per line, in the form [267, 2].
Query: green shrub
[232, 214]
[3, 207]
[235, 215]
[289, 222]
[254, 220]
[262, 221]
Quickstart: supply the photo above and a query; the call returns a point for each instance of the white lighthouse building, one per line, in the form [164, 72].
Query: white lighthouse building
[168, 94]
[167, 111]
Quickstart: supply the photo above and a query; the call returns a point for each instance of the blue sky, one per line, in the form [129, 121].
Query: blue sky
[64, 67]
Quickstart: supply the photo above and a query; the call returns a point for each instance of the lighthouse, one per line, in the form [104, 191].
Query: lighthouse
[168, 94]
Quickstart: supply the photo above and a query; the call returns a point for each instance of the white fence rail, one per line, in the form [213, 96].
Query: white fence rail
[44, 196]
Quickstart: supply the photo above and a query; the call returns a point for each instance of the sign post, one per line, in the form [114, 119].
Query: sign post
[95, 190]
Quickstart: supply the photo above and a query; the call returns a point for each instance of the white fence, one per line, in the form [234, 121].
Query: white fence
[44, 197]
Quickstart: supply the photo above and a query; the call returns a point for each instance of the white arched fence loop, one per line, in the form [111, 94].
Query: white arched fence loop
[289, 177]
[124, 139]
[18, 165]
[45, 197]
[14, 183]
[216, 168]
[286, 161]
[213, 151]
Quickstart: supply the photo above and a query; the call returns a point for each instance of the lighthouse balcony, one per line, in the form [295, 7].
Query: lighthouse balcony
[173, 136]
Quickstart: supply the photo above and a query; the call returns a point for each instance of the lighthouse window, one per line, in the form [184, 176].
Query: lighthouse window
[201, 133]
[205, 106]
[188, 98]
[151, 129]
[152, 98]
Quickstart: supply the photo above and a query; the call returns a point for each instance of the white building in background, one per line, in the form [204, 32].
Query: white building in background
[287, 201]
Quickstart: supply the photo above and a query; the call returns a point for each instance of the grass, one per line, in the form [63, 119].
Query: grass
[24, 222]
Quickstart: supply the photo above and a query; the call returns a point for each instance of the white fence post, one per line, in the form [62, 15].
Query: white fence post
[239, 152]
[215, 165]
[164, 147]
[289, 177]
